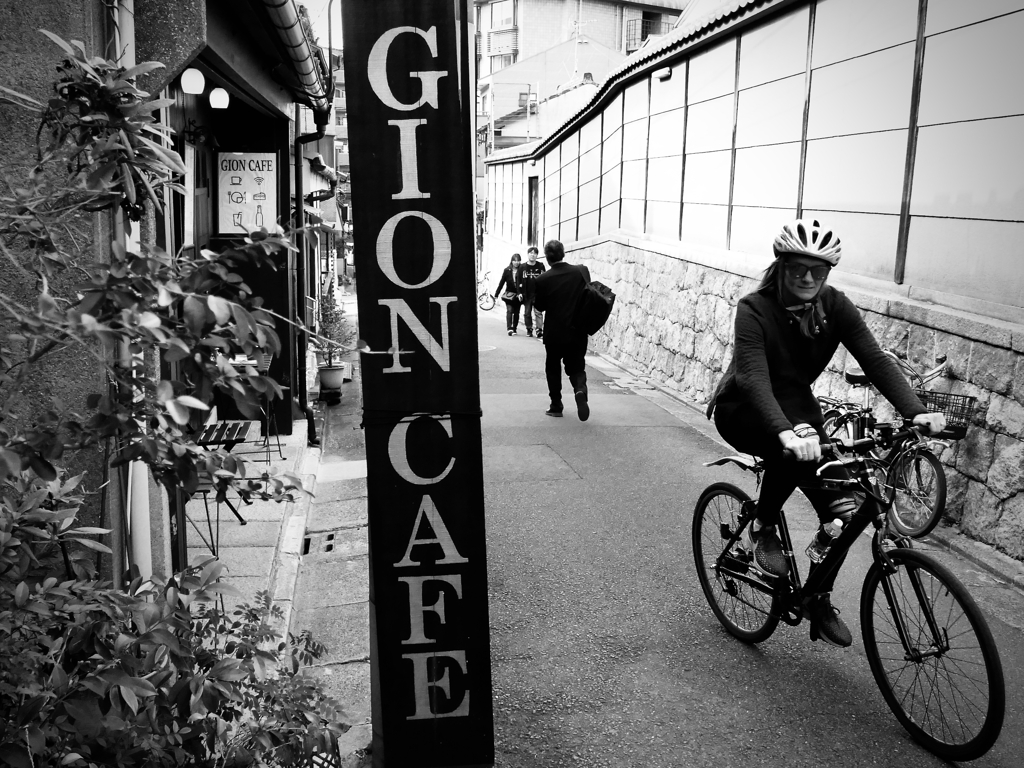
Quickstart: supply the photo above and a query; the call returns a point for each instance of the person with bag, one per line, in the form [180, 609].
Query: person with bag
[532, 316]
[557, 293]
[512, 282]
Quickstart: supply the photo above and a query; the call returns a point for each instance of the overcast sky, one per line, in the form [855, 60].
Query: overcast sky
[318, 13]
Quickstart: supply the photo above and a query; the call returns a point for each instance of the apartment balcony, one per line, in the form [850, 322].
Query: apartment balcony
[639, 30]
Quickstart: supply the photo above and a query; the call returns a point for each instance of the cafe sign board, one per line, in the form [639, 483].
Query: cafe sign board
[246, 191]
[411, 175]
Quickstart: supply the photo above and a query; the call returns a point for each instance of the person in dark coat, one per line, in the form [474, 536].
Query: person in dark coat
[557, 292]
[512, 282]
[786, 332]
[532, 316]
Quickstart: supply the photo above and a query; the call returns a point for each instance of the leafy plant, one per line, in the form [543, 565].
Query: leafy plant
[157, 675]
[335, 332]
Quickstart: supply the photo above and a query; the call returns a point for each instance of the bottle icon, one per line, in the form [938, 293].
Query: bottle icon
[259, 215]
[823, 539]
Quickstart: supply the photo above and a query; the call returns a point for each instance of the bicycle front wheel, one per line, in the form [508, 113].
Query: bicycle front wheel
[747, 613]
[933, 656]
[920, 484]
[486, 301]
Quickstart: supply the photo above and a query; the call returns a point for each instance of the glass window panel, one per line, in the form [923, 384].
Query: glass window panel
[590, 135]
[947, 14]
[767, 176]
[612, 116]
[636, 97]
[974, 72]
[551, 213]
[970, 170]
[611, 185]
[667, 131]
[709, 125]
[610, 217]
[590, 165]
[754, 229]
[570, 176]
[517, 173]
[847, 28]
[774, 50]
[869, 241]
[665, 179]
[705, 224]
[713, 72]
[587, 225]
[611, 152]
[856, 173]
[671, 93]
[632, 216]
[869, 93]
[552, 188]
[570, 148]
[634, 140]
[553, 161]
[634, 179]
[771, 113]
[502, 13]
[568, 206]
[590, 196]
[935, 258]
[663, 220]
[706, 179]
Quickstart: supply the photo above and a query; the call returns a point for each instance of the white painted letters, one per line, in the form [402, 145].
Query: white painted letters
[417, 608]
[400, 458]
[386, 248]
[437, 349]
[441, 536]
[410, 159]
[378, 70]
[422, 683]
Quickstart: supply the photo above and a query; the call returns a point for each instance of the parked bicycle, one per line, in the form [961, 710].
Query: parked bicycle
[912, 467]
[484, 298]
[931, 652]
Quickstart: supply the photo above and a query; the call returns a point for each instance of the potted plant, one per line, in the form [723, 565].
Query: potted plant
[335, 334]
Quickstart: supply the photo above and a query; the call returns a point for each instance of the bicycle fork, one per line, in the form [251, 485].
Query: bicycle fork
[939, 636]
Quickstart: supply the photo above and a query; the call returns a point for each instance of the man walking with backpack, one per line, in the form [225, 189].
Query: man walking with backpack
[557, 292]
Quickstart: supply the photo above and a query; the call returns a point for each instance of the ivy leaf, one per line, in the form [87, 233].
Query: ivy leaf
[195, 314]
[178, 412]
[192, 402]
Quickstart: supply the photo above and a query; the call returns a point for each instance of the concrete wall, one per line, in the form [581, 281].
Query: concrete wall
[672, 190]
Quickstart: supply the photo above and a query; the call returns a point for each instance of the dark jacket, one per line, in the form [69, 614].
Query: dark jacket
[530, 274]
[773, 365]
[557, 292]
[513, 284]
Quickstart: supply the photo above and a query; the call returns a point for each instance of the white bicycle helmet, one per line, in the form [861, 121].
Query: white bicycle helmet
[807, 237]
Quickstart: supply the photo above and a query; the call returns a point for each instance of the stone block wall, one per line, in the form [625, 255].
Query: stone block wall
[673, 319]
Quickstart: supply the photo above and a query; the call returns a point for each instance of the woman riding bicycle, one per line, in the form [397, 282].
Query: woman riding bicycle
[786, 332]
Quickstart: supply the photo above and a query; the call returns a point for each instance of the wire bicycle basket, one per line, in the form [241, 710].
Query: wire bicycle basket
[958, 410]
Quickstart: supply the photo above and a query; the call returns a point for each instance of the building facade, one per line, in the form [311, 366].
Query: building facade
[896, 128]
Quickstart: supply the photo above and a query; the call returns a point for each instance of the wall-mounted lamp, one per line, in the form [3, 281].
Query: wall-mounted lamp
[219, 98]
[198, 134]
[192, 81]
[664, 73]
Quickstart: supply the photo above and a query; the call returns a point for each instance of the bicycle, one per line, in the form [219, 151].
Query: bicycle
[930, 650]
[913, 467]
[484, 299]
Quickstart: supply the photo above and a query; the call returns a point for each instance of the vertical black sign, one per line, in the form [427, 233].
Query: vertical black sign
[409, 130]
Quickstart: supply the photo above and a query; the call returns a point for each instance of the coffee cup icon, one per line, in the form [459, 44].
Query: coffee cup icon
[236, 181]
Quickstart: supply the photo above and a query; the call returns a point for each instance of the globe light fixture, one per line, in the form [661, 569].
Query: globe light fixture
[219, 98]
[192, 81]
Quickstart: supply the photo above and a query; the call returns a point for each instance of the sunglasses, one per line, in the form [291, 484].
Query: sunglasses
[799, 271]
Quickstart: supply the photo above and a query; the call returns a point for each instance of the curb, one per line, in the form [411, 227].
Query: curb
[984, 556]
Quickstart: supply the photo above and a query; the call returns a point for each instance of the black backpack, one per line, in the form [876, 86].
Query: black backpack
[593, 308]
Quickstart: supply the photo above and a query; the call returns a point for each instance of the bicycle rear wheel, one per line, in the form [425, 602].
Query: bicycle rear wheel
[486, 301]
[945, 684]
[920, 484]
[745, 611]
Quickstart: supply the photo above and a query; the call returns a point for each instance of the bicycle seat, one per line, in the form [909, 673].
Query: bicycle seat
[857, 377]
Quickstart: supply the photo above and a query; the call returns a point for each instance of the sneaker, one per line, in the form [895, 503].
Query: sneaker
[552, 411]
[582, 407]
[540, 334]
[826, 624]
[511, 332]
[515, 333]
[529, 332]
[767, 548]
